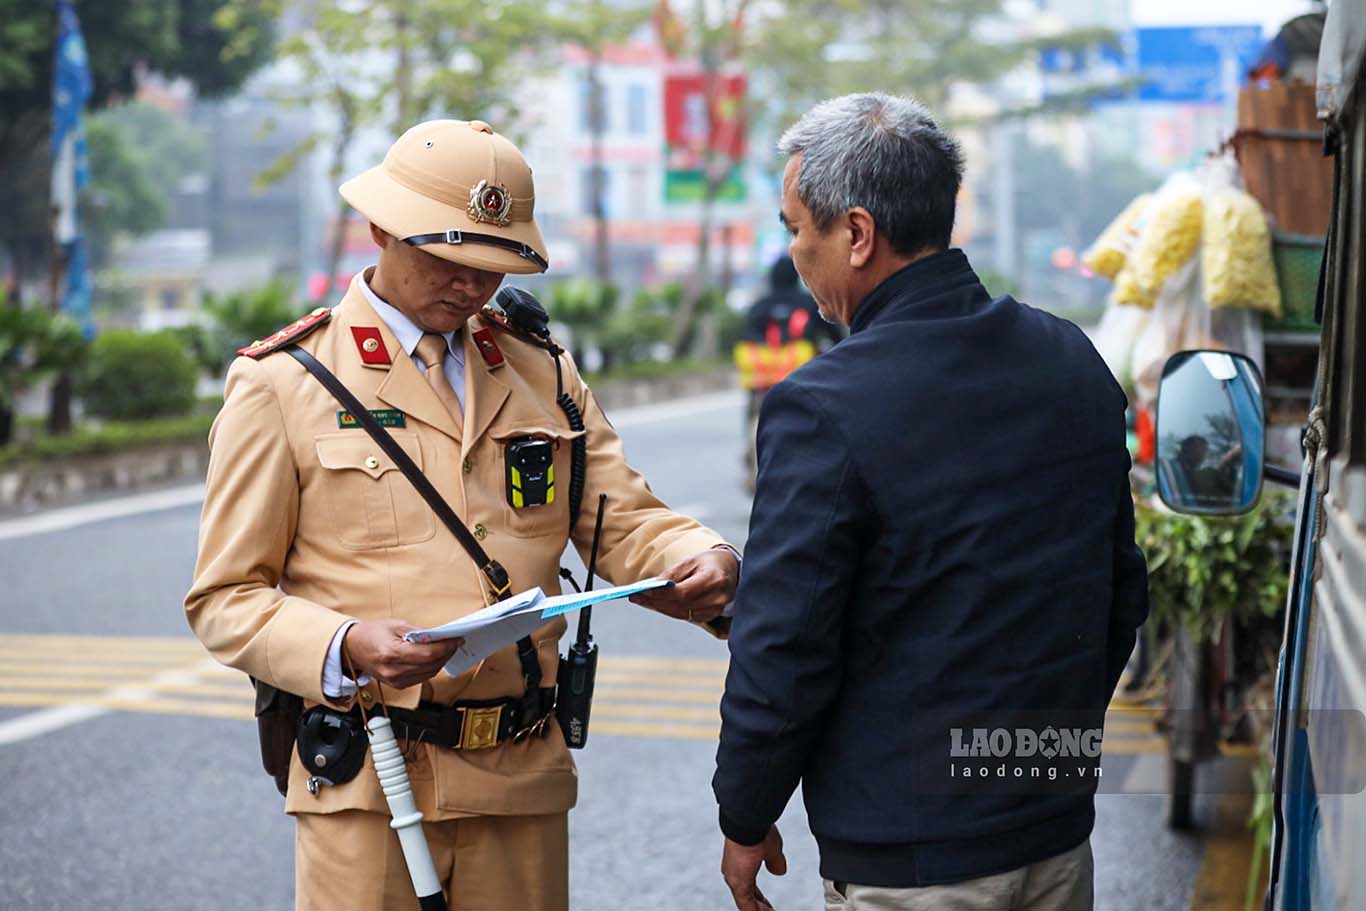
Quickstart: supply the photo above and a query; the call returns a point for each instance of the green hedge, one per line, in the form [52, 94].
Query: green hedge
[132, 375]
[112, 437]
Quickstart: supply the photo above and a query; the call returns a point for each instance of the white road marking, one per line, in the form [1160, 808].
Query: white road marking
[72, 516]
[122, 507]
[44, 721]
[679, 408]
[36, 723]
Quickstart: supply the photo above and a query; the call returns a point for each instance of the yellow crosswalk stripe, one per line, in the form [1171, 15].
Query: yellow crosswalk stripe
[638, 695]
[644, 729]
[1128, 727]
[219, 690]
[112, 674]
[654, 711]
[101, 643]
[716, 685]
[652, 694]
[153, 706]
[681, 665]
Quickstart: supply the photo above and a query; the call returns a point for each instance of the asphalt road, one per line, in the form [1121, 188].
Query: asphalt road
[129, 777]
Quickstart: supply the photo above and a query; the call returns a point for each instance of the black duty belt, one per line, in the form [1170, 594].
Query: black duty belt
[474, 724]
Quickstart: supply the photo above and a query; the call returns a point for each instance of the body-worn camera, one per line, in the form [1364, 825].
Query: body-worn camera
[530, 472]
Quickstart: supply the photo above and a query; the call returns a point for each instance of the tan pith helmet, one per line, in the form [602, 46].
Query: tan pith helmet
[457, 190]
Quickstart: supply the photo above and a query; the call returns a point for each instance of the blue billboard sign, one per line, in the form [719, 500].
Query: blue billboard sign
[1195, 64]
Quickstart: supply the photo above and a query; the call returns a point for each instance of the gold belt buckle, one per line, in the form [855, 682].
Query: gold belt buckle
[480, 730]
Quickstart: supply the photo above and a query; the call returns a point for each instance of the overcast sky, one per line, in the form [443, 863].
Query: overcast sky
[1271, 14]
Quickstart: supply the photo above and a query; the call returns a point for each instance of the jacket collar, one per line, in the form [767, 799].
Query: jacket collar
[407, 332]
[917, 283]
[403, 387]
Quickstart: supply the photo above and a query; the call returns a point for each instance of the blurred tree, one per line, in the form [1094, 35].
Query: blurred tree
[34, 343]
[716, 34]
[243, 317]
[1053, 195]
[213, 43]
[453, 58]
[584, 305]
[133, 375]
[631, 333]
[802, 51]
[595, 25]
[138, 155]
[925, 48]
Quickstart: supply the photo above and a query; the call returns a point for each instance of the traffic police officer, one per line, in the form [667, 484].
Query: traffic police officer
[316, 553]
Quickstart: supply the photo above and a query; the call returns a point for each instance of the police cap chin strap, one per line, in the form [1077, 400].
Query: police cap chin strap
[458, 238]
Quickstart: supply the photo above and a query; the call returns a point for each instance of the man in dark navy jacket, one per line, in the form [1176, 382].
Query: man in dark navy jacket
[941, 585]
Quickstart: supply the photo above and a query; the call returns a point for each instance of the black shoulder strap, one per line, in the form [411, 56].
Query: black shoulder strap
[493, 570]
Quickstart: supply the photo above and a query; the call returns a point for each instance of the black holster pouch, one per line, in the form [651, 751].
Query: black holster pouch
[277, 725]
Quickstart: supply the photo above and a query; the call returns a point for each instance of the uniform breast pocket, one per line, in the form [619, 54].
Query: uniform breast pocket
[373, 504]
[537, 469]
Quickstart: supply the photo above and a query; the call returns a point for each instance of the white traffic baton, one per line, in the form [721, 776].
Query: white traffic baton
[407, 821]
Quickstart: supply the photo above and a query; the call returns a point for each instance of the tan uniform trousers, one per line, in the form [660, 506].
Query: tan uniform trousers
[1064, 882]
[351, 861]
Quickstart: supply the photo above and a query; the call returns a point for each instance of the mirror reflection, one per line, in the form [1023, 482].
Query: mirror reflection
[1209, 433]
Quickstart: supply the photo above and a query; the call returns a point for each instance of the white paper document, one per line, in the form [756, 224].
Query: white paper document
[499, 625]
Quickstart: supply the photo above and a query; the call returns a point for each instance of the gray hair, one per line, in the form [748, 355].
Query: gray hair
[884, 153]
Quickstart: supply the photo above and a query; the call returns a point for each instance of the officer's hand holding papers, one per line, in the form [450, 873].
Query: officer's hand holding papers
[499, 625]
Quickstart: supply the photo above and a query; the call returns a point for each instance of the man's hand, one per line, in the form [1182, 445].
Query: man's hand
[740, 868]
[703, 586]
[377, 648]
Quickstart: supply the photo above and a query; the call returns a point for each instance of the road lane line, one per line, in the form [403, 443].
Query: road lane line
[30, 683]
[71, 516]
[656, 711]
[639, 694]
[1134, 747]
[1221, 884]
[34, 724]
[136, 697]
[693, 682]
[54, 640]
[102, 705]
[78, 657]
[112, 674]
[678, 408]
[667, 731]
[1128, 727]
[685, 665]
[218, 690]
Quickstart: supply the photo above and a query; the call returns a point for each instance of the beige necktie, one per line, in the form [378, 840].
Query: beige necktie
[431, 350]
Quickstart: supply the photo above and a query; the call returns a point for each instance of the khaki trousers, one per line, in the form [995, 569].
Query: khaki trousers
[351, 861]
[1060, 883]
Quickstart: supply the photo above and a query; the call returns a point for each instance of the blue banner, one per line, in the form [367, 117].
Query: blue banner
[71, 89]
[1195, 64]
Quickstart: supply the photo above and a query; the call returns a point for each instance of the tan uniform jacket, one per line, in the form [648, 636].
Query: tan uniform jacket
[307, 523]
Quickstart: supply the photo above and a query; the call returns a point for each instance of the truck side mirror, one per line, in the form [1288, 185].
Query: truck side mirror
[1210, 433]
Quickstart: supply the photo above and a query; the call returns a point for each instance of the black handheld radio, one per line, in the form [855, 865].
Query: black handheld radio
[579, 668]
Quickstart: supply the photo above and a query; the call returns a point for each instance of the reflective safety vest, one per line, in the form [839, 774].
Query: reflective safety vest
[767, 363]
